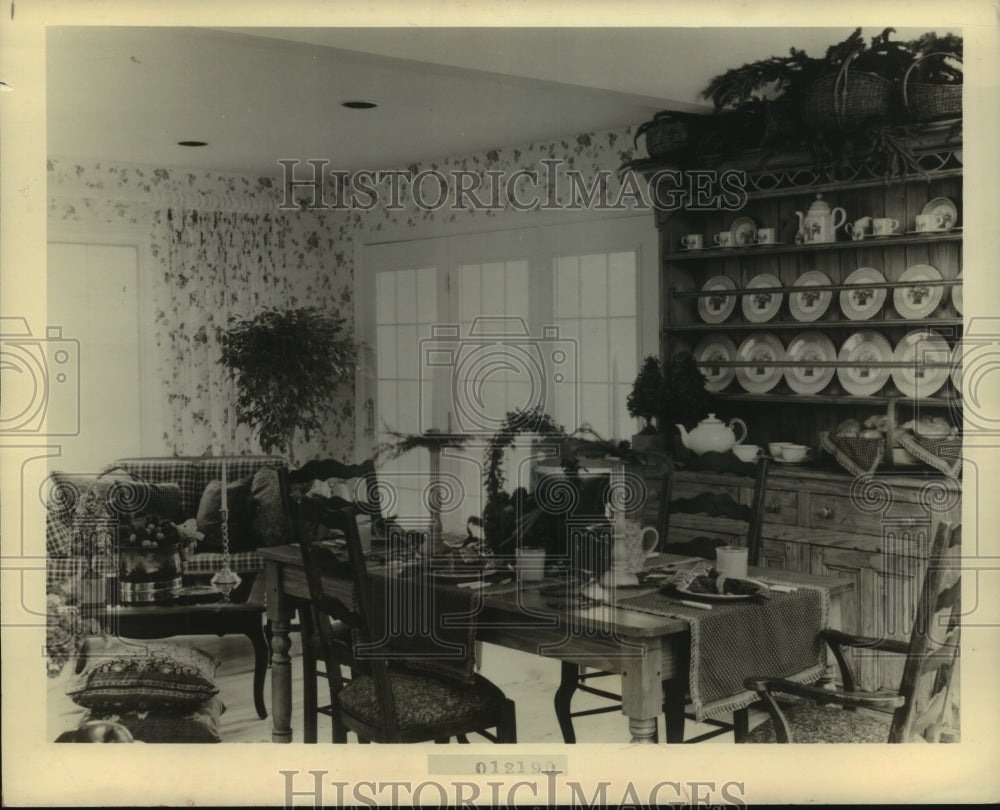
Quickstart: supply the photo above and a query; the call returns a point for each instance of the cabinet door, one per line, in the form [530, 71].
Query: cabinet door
[785, 556]
[862, 603]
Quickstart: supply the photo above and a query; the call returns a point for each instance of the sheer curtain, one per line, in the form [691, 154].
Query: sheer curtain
[220, 264]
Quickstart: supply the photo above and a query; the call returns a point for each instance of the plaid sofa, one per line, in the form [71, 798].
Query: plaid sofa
[191, 475]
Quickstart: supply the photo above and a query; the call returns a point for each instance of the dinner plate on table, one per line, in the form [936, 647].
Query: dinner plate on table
[919, 300]
[714, 597]
[864, 302]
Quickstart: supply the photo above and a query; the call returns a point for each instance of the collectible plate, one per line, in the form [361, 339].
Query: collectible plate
[956, 296]
[861, 347]
[716, 308]
[812, 345]
[957, 361]
[765, 348]
[864, 302]
[918, 348]
[716, 349]
[944, 208]
[810, 305]
[744, 232]
[761, 307]
[920, 300]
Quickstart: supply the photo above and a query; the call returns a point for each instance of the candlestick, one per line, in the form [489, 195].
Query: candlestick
[225, 498]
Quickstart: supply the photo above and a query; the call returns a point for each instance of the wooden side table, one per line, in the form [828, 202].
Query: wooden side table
[216, 618]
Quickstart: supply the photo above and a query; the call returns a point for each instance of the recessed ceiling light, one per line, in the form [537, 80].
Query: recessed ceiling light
[192, 143]
[358, 105]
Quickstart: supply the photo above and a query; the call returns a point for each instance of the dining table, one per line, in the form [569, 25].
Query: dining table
[642, 636]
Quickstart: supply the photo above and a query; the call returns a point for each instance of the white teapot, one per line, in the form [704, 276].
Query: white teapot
[713, 434]
[820, 223]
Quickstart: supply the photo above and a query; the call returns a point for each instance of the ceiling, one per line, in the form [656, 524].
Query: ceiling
[259, 95]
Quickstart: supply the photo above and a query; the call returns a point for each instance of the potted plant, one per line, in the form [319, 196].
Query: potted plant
[287, 366]
[684, 399]
[644, 403]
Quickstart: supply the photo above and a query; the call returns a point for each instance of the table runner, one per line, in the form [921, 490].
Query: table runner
[778, 637]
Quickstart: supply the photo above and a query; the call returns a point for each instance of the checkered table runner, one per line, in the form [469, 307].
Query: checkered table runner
[776, 637]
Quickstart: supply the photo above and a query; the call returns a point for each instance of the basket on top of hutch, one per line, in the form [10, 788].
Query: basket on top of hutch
[775, 317]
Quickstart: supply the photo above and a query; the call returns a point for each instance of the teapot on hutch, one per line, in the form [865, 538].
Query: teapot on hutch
[820, 222]
[713, 434]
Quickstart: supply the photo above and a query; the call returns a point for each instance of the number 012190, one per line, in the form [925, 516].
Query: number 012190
[466, 765]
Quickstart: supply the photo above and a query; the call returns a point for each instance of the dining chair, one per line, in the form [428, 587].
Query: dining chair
[388, 701]
[360, 478]
[919, 711]
[683, 511]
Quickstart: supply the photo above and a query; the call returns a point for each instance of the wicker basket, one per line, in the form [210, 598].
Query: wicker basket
[857, 456]
[665, 135]
[925, 101]
[846, 99]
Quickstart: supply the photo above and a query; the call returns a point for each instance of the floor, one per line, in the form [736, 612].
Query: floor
[530, 681]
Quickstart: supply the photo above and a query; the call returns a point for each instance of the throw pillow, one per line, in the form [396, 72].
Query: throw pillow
[241, 512]
[152, 676]
[271, 525]
[198, 725]
[132, 499]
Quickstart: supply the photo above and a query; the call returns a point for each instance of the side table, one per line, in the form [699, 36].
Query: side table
[216, 618]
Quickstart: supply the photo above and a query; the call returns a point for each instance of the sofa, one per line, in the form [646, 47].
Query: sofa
[179, 489]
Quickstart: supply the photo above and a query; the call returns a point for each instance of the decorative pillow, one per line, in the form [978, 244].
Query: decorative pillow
[271, 525]
[154, 676]
[241, 512]
[199, 725]
[131, 499]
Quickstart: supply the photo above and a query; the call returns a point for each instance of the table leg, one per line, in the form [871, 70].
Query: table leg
[261, 654]
[642, 697]
[279, 611]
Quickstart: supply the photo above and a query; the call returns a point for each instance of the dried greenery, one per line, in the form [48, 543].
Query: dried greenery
[287, 366]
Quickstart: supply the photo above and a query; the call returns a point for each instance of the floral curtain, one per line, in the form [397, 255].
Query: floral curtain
[220, 264]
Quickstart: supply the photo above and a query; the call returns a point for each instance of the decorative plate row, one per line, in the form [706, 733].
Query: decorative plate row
[919, 365]
[763, 296]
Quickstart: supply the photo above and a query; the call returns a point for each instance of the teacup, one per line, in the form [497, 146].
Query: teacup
[530, 564]
[929, 222]
[794, 452]
[884, 226]
[724, 239]
[766, 236]
[693, 241]
[857, 229]
[731, 561]
[746, 452]
[774, 448]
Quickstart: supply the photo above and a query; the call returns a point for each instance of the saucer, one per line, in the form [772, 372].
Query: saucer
[944, 208]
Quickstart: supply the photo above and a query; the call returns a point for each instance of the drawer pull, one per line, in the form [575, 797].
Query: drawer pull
[773, 507]
[826, 513]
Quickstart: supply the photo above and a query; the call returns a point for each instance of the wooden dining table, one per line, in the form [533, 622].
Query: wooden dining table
[650, 652]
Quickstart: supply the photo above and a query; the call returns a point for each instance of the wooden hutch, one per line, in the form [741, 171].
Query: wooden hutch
[820, 519]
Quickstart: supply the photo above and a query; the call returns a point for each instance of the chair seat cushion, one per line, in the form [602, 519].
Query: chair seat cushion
[421, 700]
[812, 723]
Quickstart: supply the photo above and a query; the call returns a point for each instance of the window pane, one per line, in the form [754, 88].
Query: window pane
[621, 287]
[406, 296]
[567, 286]
[593, 286]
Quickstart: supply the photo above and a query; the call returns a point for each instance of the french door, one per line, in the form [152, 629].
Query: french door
[465, 329]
